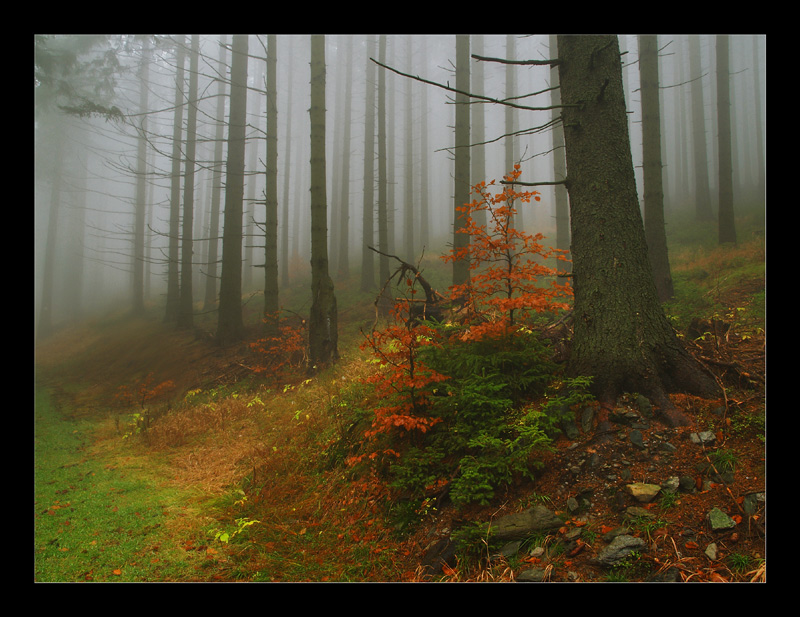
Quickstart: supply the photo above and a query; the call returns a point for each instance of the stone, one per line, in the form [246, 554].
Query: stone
[619, 549]
[706, 438]
[671, 485]
[719, 520]
[523, 524]
[642, 492]
[532, 575]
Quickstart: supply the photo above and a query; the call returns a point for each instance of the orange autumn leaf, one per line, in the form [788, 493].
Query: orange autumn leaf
[117, 572]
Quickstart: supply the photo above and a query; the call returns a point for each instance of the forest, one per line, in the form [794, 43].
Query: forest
[328, 308]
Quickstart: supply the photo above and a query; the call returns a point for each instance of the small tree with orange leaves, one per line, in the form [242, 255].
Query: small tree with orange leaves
[507, 265]
[483, 365]
[282, 353]
[403, 382]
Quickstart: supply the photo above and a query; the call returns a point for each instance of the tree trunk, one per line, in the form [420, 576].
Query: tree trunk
[343, 266]
[230, 324]
[271, 303]
[424, 213]
[383, 183]
[216, 186]
[477, 125]
[702, 192]
[651, 167]
[622, 338]
[761, 171]
[727, 227]
[559, 163]
[461, 188]
[173, 251]
[408, 191]
[511, 141]
[287, 171]
[185, 308]
[323, 322]
[140, 207]
[368, 220]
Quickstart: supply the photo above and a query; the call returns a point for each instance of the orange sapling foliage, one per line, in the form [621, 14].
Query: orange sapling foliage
[507, 264]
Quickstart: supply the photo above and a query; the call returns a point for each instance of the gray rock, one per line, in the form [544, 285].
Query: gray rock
[523, 524]
[644, 406]
[671, 485]
[532, 575]
[719, 520]
[619, 549]
[705, 437]
[587, 418]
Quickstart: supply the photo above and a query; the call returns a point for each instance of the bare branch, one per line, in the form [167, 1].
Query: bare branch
[469, 94]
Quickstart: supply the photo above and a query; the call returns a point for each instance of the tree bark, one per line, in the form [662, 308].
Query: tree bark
[651, 167]
[622, 338]
[727, 227]
[343, 265]
[368, 214]
[559, 163]
[140, 207]
[230, 324]
[216, 186]
[271, 302]
[383, 182]
[173, 251]
[185, 307]
[323, 321]
[702, 192]
[461, 189]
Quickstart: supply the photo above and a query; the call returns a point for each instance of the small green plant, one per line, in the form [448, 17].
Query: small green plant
[647, 526]
[668, 500]
[241, 525]
[739, 562]
[724, 460]
[474, 542]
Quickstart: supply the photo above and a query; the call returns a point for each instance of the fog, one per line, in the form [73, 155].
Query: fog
[87, 166]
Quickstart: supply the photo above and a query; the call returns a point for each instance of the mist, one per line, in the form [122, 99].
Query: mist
[105, 141]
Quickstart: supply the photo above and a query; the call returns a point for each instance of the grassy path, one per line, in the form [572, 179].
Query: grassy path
[99, 516]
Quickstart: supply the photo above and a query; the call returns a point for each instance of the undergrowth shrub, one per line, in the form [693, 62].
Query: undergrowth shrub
[283, 352]
[454, 415]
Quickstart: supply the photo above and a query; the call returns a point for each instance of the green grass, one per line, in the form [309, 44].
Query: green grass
[98, 520]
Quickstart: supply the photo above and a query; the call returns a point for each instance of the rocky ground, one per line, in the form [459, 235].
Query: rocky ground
[651, 504]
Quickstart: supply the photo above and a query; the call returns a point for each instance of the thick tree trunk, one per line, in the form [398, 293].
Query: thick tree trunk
[323, 322]
[622, 338]
[230, 324]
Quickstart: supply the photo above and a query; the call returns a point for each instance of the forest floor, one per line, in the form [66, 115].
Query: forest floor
[231, 479]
